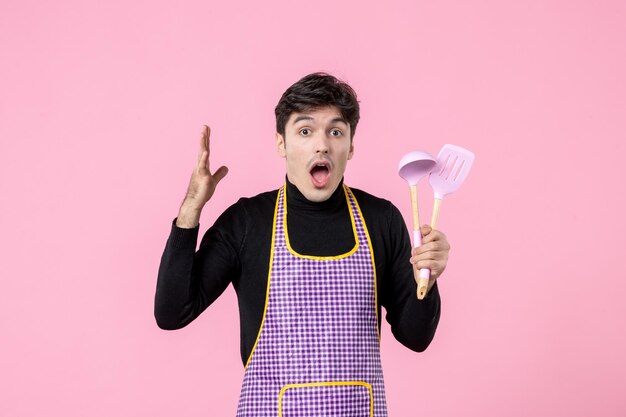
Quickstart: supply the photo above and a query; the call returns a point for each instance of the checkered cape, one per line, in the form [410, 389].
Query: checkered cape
[318, 350]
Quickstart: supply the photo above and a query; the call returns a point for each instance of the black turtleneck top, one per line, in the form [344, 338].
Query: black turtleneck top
[236, 249]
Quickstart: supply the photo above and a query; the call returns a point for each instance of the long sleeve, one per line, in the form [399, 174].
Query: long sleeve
[236, 250]
[189, 281]
[413, 322]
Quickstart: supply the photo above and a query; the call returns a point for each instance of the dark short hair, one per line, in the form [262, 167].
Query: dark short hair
[314, 91]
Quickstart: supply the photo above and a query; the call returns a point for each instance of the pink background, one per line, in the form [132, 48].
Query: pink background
[101, 105]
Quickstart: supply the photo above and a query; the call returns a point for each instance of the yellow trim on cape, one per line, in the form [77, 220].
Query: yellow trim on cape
[369, 243]
[325, 384]
[356, 238]
[321, 258]
[269, 277]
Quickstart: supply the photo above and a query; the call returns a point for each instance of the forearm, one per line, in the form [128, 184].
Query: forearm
[417, 321]
[174, 298]
[189, 281]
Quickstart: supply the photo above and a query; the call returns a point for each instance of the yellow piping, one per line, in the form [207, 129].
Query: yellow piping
[320, 258]
[269, 276]
[369, 243]
[324, 384]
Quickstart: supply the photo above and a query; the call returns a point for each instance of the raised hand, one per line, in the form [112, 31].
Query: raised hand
[201, 185]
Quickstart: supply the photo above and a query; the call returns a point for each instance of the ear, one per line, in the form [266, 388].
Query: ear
[280, 145]
[351, 150]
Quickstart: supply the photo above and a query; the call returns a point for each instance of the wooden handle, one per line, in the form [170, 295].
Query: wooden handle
[416, 216]
[435, 217]
[422, 283]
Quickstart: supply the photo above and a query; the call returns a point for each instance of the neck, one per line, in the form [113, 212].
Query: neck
[296, 199]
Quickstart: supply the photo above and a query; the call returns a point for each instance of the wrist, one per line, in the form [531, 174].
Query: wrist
[188, 216]
[190, 204]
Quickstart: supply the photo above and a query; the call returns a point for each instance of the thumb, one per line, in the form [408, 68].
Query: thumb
[425, 229]
[220, 173]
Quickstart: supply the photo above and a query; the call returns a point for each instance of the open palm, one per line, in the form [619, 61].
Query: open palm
[202, 183]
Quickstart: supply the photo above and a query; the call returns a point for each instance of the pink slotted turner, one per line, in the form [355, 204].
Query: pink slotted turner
[453, 165]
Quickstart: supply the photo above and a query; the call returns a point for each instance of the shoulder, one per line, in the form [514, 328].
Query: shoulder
[383, 219]
[373, 206]
[244, 216]
[260, 203]
[255, 209]
[386, 228]
[247, 209]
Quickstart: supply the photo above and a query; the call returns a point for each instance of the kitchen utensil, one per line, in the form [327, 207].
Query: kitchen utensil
[453, 165]
[413, 166]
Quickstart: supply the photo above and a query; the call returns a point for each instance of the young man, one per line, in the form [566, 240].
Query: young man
[312, 263]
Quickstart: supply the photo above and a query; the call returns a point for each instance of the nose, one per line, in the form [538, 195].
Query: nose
[321, 143]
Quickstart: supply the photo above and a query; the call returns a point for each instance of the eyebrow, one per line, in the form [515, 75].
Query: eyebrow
[335, 120]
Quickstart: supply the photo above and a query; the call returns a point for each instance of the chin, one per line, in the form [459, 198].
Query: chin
[318, 195]
[313, 193]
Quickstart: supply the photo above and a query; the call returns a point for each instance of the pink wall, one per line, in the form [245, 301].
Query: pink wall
[100, 108]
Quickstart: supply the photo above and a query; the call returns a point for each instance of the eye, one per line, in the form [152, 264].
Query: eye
[305, 131]
[336, 132]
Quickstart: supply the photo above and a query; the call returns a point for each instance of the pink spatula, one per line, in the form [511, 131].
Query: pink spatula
[453, 165]
[413, 166]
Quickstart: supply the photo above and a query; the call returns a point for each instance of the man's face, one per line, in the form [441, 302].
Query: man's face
[317, 148]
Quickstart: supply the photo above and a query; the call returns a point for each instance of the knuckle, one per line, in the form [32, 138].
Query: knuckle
[430, 264]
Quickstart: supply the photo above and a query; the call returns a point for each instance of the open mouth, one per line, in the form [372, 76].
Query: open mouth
[320, 174]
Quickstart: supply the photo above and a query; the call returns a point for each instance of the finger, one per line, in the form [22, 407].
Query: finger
[428, 263]
[430, 256]
[436, 268]
[435, 235]
[434, 272]
[219, 174]
[208, 148]
[437, 246]
[425, 229]
[202, 142]
[203, 162]
[203, 138]
[207, 136]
